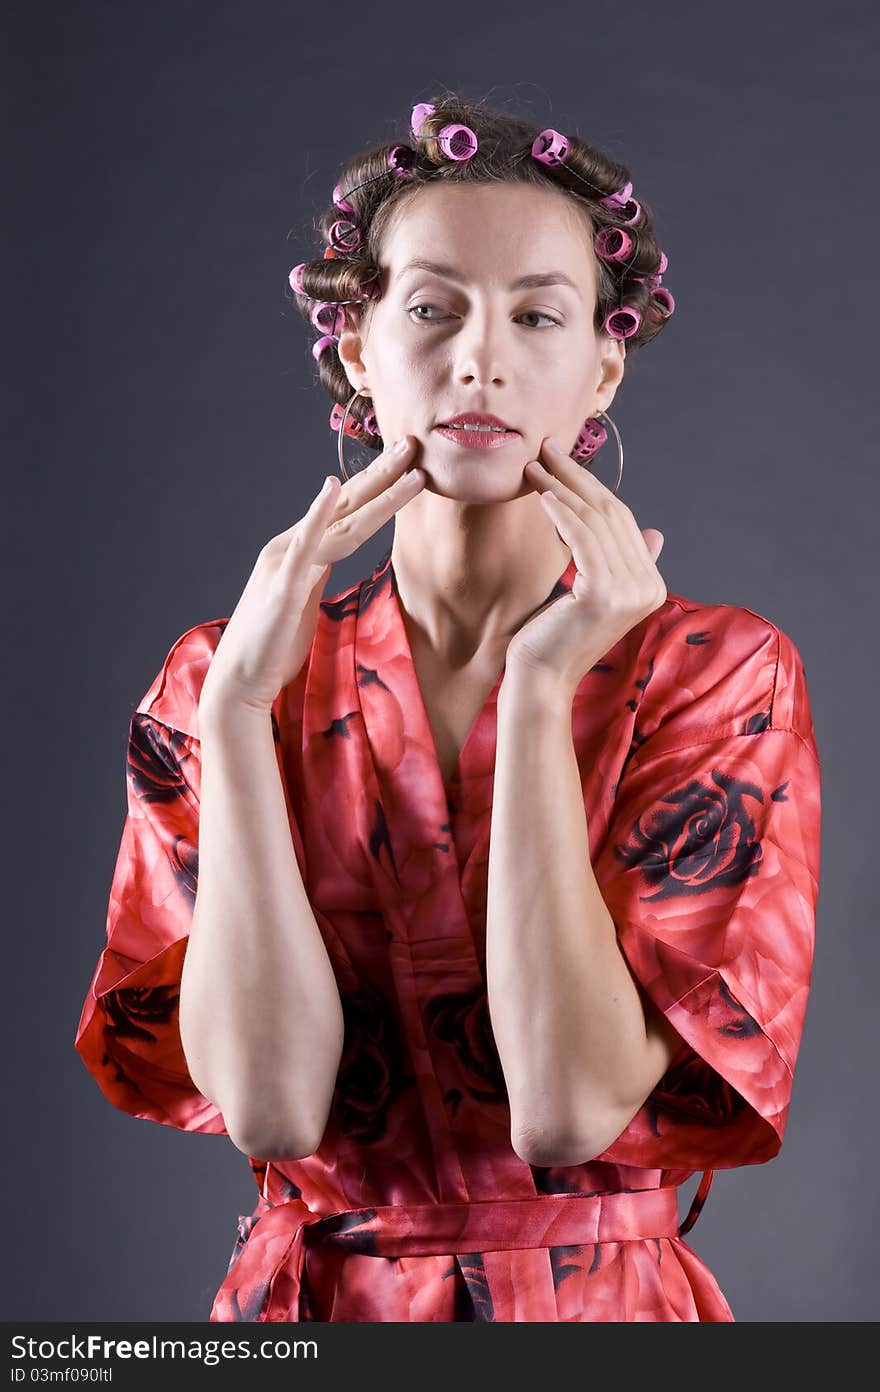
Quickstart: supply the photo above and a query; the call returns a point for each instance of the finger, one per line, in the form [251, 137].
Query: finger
[593, 495]
[346, 532]
[580, 478]
[592, 517]
[380, 474]
[585, 544]
[620, 517]
[306, 535]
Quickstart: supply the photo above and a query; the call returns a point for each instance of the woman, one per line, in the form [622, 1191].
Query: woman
[469, 1070]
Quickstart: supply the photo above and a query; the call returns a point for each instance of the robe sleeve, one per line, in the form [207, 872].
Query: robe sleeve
[711, 873]
[128, 1034]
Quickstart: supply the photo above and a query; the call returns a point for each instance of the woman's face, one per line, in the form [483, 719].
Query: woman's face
[436, 345]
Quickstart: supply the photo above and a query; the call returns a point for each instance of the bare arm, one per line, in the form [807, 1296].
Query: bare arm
[580, 1049]
[260, 1014]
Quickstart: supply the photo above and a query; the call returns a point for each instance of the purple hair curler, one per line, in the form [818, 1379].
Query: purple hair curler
[295, 278]
[323, 342]
[344, 236]
[613, 244]
[328, 317]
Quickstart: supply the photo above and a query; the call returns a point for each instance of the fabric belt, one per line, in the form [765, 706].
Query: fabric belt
[265, 1272]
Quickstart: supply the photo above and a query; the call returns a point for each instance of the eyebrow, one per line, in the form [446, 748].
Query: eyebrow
[527, 282]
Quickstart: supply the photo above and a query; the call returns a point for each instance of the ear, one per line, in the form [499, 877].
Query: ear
[350, 347]
[612, 362]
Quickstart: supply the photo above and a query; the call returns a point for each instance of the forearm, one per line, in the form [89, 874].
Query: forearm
[566, 1013]
[260, 1015]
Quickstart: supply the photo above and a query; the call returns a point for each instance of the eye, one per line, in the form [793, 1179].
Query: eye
[412, 310]
[541, 315]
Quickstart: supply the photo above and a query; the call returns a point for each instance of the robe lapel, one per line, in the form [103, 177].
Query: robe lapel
[433, 829]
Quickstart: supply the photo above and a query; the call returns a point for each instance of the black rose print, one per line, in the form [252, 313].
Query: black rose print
[698, 1093]
[372, 1071]
[140, 1012]
[155, 755]
[702, 838]
[462, 1020]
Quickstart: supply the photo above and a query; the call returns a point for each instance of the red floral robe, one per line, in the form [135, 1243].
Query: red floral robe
[701, 785]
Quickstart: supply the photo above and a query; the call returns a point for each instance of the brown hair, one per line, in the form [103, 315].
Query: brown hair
[503, 155]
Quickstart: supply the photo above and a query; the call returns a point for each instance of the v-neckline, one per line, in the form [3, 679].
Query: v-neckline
[483, 714]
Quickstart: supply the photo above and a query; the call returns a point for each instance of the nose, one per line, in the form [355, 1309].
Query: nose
[481, 347]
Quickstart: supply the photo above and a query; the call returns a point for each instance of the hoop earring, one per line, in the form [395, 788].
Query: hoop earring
[340, 430]
[591, 438]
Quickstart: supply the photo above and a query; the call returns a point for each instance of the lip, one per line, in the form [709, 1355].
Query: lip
[477, 439]
[480, 418]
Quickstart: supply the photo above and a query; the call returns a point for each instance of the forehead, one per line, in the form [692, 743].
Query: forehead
[492, 232]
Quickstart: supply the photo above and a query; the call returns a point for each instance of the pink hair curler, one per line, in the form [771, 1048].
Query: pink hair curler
[351, 427]
[344, 236]
[613, 244]
[619, 199]
[295, 278]
[335, 420]
[622, 322]
[550, 147]
[340, 200]
[457, 142]
[371, 424]
[401, 159]
[635, 212]
[328, 317]
[591, 437]
[323, 342]
[664, 298]
[417, 117]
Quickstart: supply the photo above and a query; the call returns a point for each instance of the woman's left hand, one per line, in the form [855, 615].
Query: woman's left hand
[617, 583]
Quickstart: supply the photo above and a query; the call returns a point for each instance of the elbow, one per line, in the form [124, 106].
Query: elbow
[565, 1146]
[260, 1147]
[282, 1129]
[254, 1138]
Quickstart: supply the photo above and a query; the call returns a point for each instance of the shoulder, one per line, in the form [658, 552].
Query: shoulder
[721, 669]
[172, 697]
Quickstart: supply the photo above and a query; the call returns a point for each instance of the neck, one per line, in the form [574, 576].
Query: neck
[470, 575]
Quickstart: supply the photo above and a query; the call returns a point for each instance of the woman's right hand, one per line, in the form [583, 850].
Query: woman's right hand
[269, 634]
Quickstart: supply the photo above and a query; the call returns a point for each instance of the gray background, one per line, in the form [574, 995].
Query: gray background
[165, 162]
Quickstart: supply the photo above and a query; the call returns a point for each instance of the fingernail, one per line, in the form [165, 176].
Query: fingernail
[554, 443]
[400, 445]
